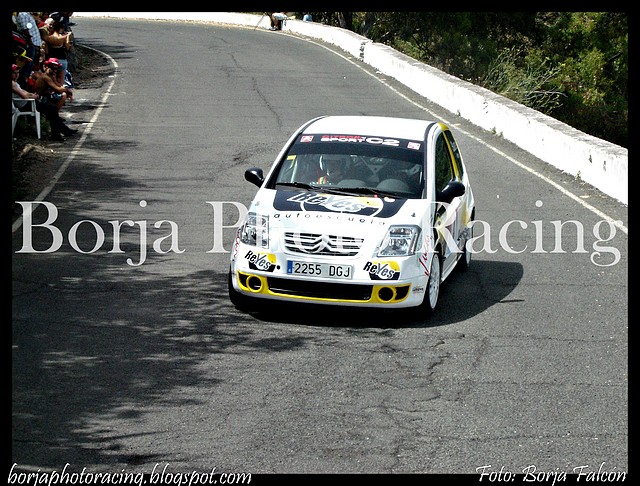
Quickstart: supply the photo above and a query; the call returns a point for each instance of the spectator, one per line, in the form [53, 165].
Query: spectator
[46, 85]
[277, 19]
[19, 49]
[58, 44]
[45, 32]
[63, 18]
[40, 18]
[307, 18]
[28, 27]
[44, 24]
[43, 28]
[49, 111]
[66, 20]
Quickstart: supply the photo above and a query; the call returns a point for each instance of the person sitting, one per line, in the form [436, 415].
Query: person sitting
[49, 111]
[335, 168]
[46, 85]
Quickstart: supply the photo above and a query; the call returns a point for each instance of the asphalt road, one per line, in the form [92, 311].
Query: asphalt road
[133, 365]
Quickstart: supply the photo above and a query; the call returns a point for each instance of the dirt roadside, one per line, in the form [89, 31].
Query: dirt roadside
[35, 161]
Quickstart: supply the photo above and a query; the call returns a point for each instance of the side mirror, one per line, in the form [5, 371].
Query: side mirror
[452, 190]
[255, 176]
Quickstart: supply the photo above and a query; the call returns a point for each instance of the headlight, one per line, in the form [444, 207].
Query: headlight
[255, 231]
[400, 241]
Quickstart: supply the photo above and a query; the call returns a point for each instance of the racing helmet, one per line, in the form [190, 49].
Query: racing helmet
[332, 162]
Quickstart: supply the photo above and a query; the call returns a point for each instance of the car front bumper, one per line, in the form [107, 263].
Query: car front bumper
[381, 293]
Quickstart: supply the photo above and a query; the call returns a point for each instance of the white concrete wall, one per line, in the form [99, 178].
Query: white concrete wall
[602, 164]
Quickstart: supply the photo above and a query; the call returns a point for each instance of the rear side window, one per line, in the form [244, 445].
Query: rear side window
[456, 154]
[444, 169]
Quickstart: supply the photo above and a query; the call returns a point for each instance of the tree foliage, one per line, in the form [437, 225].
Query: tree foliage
[570, 65]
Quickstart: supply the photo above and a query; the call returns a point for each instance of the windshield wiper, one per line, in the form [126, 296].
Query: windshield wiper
[342, 190]
[372, 191]
[315, 187]
[301, 185]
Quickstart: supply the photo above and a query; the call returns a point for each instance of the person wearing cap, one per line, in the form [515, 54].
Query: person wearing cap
[49, 111]
[47, 87]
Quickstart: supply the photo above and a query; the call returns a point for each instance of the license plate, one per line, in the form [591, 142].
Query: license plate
[325, 270]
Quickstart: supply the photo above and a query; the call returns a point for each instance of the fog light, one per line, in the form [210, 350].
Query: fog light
[254, 283]
[385, 294]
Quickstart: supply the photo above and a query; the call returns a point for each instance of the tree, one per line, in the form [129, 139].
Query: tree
[591, 52]
[570, 65]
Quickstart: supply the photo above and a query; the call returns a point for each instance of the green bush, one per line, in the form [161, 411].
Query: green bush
[526, 79]
[569, 65]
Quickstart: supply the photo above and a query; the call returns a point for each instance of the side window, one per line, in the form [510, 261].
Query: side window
[444, 170]
[456, 155]
[288, 169]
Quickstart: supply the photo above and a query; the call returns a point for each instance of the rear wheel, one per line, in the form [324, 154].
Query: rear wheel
[465, 258]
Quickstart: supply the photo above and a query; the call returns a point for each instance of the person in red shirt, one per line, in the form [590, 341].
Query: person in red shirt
[46, 85]
[48, 110]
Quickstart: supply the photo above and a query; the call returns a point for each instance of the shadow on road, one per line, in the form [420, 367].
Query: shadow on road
[103, 342]
[94, 340]
[462, 296]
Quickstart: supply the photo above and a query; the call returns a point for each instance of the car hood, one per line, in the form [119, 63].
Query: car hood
[313, 210]
[322, 202]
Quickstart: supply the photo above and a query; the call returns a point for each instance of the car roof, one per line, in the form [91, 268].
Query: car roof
[379, 126]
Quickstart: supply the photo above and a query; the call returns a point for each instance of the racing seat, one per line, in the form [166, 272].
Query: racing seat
[394, 185]
[352, 183]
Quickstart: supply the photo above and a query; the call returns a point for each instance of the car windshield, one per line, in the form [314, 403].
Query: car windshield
[350, 164]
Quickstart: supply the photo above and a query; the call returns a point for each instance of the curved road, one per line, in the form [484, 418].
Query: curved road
[119, 366]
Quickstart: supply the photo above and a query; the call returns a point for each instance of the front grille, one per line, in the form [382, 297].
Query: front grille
[320, 290]
[319, 244]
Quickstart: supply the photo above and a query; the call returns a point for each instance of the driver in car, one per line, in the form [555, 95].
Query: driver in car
[335, 167]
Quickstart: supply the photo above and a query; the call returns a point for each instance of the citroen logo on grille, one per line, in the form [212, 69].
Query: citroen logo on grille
[325, 242]
[322, 244]
[317, 244]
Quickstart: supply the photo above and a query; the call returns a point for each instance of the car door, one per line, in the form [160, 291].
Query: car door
[449, 212]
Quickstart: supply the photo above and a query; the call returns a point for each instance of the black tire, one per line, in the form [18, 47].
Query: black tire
[432, 292]
[240, 301]
[465, 259]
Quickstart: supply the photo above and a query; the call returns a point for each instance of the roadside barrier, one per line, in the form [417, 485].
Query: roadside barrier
[597, 162]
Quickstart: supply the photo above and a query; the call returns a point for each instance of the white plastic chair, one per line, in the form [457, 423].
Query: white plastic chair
[31, 112]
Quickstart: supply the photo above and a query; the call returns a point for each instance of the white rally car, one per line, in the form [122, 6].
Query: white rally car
[356, 210]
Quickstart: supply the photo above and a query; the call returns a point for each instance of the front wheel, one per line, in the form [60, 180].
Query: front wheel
[239, 300]
[432, 293]
[433, 285]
